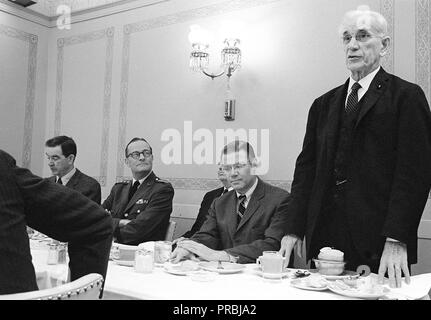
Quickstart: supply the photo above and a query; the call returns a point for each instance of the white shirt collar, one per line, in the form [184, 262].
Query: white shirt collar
[364, 82]
[141, 180]
[65, 179]
[249, 192]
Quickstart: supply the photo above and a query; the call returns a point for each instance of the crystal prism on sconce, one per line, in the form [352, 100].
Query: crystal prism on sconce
[199, 57]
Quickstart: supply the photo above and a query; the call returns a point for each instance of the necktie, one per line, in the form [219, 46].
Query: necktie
[133, 189]
[352, 100]
[59, 181]
[241, 207]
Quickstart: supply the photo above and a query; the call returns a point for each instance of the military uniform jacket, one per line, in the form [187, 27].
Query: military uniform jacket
[149, 209]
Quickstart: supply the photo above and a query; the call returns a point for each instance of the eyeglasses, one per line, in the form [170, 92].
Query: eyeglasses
[137, 154]
[53, 158]
[235, 167]
[360, 36]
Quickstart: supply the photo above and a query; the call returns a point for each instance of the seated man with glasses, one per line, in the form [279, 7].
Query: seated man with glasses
[140, 208]
[243, 222]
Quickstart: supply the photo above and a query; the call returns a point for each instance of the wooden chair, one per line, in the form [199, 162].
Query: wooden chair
[87, 287]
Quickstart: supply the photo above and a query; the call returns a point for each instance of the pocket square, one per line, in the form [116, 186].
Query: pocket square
[141, 201]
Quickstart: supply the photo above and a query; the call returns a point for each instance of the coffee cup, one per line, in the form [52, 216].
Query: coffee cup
[271, 264]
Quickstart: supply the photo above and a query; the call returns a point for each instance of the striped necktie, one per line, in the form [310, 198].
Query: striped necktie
[352, 100]
[241, 207]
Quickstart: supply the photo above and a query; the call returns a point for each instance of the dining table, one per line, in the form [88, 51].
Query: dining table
[123, 282]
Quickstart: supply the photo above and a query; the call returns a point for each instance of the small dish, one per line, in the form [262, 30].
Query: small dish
[329, 268]
[259, 272]
[228, 267]
[305, 284]
[354, 293]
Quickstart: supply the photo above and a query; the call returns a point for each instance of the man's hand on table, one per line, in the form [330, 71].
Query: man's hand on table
[394, 261]
[288, 243]
[203, 251]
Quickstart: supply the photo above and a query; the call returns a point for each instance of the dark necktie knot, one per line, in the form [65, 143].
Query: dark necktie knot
[356, 86]
[133, 189]
[59, 181]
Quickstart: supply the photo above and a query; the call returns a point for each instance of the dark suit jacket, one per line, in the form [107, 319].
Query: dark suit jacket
[388, 171]
[84, 184]
[58, 212]
[203, 210]
[261, 228]
[149, 209]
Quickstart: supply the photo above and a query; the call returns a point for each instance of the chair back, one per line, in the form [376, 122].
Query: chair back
[170, 232]
[87, 287]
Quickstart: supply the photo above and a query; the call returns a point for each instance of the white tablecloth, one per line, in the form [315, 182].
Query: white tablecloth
[247, 285]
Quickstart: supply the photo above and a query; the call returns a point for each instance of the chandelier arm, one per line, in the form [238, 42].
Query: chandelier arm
[212, 75]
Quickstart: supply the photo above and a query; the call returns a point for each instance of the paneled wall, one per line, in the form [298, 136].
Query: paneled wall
[23, 73]
[124, 75]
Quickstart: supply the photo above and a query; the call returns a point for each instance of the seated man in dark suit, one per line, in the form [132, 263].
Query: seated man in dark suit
[206, 203]
[61, 154]
[61, 213]
[140, 208]
[243, 222]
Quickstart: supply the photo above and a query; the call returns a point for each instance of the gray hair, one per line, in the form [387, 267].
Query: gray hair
[363, 17]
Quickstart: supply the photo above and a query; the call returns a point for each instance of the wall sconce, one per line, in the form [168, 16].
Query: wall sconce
[230, 61]
[199, 57]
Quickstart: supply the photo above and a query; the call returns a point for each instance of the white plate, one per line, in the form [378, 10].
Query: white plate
[127, 263]
[344, 275]
[228, 267]
[175, 269]
[259, 272]
[357, 294]
[302, 284]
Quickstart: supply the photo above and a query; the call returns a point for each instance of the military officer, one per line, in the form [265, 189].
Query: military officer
[140, 207]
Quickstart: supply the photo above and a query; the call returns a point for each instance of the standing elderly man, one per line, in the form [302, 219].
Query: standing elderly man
[362, 178]
[140, 208]
[243, 222]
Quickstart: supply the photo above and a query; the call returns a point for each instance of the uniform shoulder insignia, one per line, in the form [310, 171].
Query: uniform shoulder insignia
[161, 180]
[124, 182]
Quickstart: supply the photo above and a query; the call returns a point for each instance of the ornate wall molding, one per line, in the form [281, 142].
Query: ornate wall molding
[32, 41]
[206, 184]
[180, 17]
[423, 46]
[387, 9]
[107, 33]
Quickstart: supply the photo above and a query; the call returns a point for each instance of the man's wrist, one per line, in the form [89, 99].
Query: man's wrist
[229, 258]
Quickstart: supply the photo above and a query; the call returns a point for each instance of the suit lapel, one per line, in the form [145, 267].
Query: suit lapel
[254, 203]
[141, 192]
[377, 87]
[335, 104]
[74, 179]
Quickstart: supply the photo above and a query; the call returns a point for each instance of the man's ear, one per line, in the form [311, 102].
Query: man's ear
[126, 161]
[386, 43]
[71, 158]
